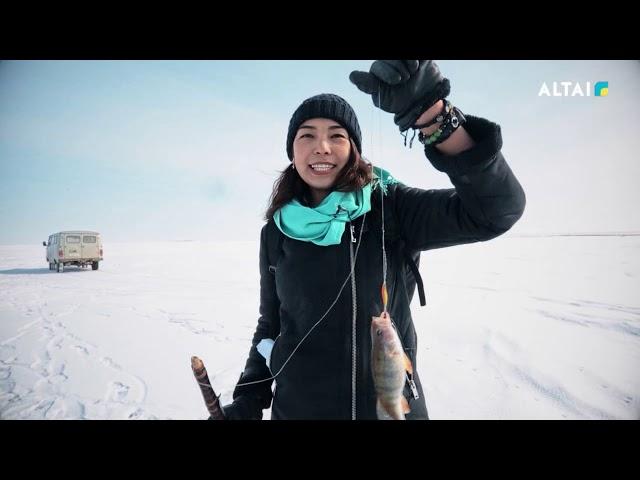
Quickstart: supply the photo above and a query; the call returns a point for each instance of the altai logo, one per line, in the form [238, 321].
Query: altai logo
[574, 89]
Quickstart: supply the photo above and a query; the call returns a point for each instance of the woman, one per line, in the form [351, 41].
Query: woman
[326, 212]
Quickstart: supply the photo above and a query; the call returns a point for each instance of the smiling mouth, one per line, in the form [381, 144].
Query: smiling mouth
[321, 167]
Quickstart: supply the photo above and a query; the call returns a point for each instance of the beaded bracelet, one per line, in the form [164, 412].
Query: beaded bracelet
[450, 124]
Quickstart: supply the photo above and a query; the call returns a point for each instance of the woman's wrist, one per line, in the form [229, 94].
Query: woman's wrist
[457, 141]
[429, 115]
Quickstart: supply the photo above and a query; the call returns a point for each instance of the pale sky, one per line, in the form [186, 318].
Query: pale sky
[189, 150]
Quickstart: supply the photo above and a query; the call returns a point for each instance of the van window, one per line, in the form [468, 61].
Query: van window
[73, 238]
[89, 239]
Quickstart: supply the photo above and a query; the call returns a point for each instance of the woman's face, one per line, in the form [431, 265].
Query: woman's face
[321, 149]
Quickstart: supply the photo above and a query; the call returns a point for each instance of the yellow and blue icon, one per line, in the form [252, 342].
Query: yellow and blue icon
[601, 89]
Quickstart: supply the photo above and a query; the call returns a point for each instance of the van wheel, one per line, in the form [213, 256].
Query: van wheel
[94, 266]
[60, 267]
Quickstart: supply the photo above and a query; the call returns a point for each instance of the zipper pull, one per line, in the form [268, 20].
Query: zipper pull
[353, 238]
[412, 385]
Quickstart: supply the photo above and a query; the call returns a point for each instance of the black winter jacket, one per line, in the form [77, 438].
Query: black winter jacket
[317, 382]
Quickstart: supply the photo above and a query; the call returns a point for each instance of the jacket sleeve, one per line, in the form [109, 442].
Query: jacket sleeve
[250, 400]
[486, 202]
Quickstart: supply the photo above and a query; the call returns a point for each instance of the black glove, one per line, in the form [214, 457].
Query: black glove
[404, 87]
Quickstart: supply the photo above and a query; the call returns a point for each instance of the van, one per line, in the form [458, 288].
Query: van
[77, 247]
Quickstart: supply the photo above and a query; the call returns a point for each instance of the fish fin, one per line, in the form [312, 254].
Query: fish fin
[407, 364]
[387, 411]
[405, 405]
[381, 411]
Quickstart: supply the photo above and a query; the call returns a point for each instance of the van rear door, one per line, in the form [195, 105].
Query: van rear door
[90, 246]
[72, 247]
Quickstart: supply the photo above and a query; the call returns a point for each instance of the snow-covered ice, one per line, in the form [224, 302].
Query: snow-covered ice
[514, 328]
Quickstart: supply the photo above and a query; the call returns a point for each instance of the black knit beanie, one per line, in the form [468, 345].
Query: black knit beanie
[325, 105]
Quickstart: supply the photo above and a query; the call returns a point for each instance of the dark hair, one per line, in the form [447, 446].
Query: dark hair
[354, 175]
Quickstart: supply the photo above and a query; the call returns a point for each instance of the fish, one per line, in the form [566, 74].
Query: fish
[389, 366]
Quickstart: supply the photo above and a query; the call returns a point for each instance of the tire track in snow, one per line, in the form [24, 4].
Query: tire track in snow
[536, 381]
[586, 314]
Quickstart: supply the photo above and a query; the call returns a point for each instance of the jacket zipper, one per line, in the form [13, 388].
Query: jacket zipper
[353, 327]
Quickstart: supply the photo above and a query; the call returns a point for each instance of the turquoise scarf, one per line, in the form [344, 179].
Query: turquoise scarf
[325, 224]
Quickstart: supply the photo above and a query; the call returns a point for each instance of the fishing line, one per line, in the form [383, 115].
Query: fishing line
[321, 318]
[384, 293]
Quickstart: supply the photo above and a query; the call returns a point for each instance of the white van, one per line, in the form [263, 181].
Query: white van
[79, 248]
